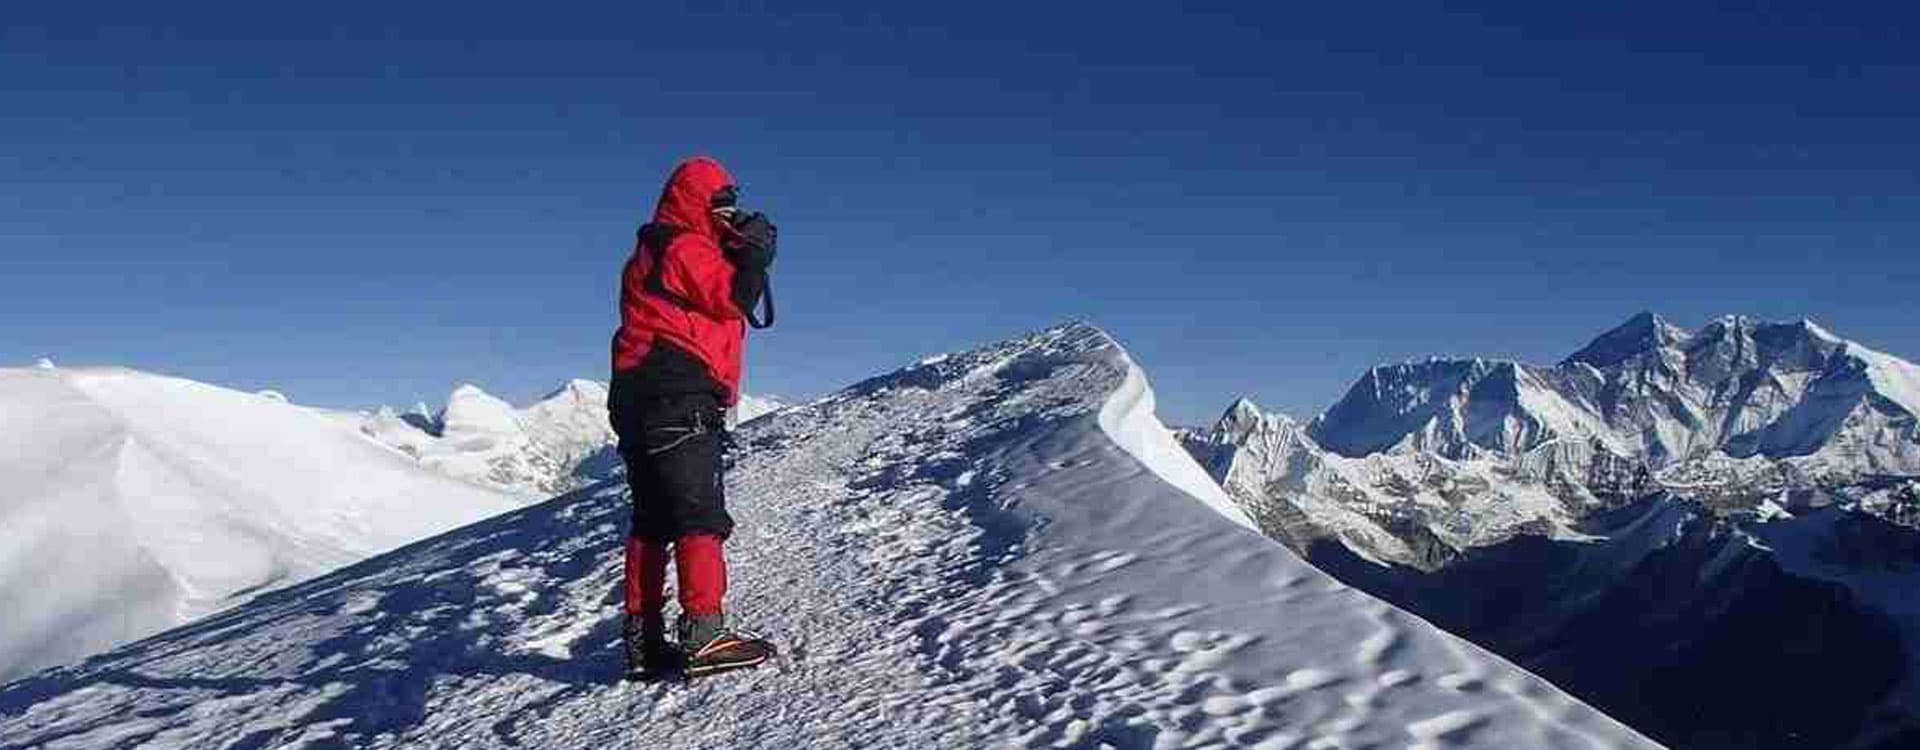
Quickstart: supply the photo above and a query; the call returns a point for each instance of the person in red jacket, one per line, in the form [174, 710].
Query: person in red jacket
[697, 273]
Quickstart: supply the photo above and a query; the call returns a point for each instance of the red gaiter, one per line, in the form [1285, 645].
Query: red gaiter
[703, 575]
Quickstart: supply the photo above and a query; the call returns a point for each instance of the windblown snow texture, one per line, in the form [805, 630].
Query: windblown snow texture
[131, 503]
[953, 555]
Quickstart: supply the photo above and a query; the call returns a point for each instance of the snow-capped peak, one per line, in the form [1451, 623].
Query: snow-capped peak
[1647, 389]
[1641, 334]
[471, 410]
[480, 438]
[570, 423]
[1243, 413]
[579, 389]
[1456, 407]
[1815, 330]
[1894, 379]
[1244, 417]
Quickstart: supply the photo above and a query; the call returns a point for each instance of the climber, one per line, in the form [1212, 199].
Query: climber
[687, 295]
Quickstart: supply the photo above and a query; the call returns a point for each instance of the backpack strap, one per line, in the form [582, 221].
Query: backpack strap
[656, 238]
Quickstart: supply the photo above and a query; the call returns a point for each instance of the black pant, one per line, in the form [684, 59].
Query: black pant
[672, 446]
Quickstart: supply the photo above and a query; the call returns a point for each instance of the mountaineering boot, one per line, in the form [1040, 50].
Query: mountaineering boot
[649, 655]
[711, 647]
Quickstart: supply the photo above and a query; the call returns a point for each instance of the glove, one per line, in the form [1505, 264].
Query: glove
[751, 244]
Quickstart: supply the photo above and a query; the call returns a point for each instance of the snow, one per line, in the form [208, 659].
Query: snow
[1646, 390]
[531, 453]
[474, 417]
[1067, 593]
[1458, 408]
[1644, 333]
[1274, 470]
[571, 422]
[131, 503]
[751, 407]
[1819, 331]
[1809, 408]
[557, 444]
[1127, 418]
[1896, 379]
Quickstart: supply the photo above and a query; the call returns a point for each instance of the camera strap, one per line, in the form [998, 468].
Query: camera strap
[656, 238]
[766, 301]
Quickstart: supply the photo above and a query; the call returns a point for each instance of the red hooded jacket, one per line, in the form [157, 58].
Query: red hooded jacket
[708, 326]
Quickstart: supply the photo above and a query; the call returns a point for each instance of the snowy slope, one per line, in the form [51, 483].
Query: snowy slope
[989, 549]
[131, 503]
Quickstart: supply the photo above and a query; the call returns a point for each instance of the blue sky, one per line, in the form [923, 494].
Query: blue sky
[366, 203]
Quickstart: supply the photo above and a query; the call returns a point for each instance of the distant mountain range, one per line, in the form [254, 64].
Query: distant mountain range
[1600, 520]
[557, 444]
[1651, 390]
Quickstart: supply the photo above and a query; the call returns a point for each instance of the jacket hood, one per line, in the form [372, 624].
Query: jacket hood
[686, 200]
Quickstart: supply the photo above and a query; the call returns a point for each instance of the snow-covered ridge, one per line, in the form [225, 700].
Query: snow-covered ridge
[131, 503]
[957, 554]
[1128, 420]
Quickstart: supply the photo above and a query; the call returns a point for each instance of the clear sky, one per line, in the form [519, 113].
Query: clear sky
[367, 203]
